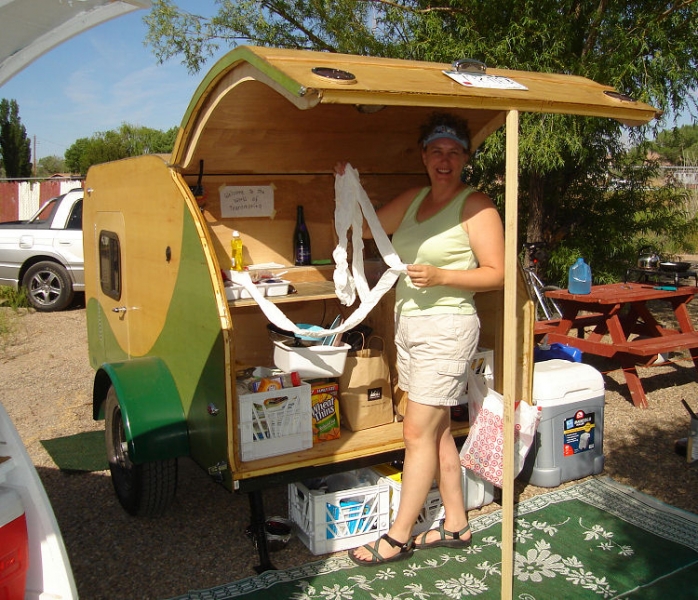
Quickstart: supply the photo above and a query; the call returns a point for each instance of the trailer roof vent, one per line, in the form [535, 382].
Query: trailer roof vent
[618, 96]
[469, 65]
[336, 75]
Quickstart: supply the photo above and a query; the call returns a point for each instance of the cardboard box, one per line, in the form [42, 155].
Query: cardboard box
[325, 407]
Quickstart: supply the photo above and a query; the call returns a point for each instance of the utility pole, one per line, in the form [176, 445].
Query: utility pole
[34, 159]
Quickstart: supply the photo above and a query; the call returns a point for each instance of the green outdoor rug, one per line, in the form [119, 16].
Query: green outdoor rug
[597, 539]
[80, 452]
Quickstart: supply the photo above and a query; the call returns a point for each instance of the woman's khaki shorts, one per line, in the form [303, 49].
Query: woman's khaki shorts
[433, 356]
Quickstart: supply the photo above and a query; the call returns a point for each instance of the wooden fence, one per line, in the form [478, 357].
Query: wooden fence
[21, 199]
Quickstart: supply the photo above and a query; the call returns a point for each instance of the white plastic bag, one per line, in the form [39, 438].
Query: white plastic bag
[483, 450]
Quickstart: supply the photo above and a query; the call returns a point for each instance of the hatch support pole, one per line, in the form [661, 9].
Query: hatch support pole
[511, 352]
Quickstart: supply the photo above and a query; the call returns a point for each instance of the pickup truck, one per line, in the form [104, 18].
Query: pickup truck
[44, 253]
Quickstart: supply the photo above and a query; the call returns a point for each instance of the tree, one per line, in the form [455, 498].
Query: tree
[14, 144]
[50, 165]
[648, 51]
[128, 140]
[677, 146]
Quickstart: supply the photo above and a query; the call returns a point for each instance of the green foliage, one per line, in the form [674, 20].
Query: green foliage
[677, 146]
[14, 298]
[579, 190]
[128, 140]
[14, 143]
[50, 165]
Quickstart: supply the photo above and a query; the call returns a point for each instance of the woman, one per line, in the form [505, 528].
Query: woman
[452, 239]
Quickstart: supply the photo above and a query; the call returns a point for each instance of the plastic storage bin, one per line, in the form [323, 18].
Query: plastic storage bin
[333, 521]
[476, 493]
[483, 364]
[275, 422]
[569, 440]
[311, 362]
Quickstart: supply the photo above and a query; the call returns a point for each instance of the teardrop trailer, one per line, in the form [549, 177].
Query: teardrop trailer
[164, 340]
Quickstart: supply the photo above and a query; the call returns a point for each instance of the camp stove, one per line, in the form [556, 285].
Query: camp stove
[667, 273]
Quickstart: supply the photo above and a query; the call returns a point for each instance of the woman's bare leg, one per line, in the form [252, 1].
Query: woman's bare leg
[450, 487]
[422, 429]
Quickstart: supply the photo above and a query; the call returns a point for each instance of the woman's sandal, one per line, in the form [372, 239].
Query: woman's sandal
[450, 539]
[406, 550]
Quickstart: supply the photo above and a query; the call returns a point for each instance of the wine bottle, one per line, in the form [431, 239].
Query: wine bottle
[301, 240]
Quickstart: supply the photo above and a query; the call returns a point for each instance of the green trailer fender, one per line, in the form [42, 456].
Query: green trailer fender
[154, 422]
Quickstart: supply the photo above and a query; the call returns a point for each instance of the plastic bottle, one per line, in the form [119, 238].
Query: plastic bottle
[301, 240]
[579, 281]
[236, 251]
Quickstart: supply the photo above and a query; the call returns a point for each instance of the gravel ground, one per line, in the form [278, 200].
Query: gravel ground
[46, 383]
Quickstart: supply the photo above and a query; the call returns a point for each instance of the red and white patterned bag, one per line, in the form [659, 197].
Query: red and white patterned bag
[483, 450]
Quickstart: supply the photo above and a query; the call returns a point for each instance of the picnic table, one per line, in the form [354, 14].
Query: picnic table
[614, 321]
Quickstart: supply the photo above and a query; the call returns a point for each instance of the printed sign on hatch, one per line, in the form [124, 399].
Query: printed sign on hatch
[578, 433]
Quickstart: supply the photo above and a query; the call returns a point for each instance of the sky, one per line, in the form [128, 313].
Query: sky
[100, 79]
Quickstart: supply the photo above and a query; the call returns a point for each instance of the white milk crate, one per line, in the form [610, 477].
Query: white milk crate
[275, 422]
[476, 492]
[482, 363]
[333, 521]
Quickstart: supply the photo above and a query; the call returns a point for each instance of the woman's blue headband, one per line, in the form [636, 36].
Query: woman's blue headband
[444, 131]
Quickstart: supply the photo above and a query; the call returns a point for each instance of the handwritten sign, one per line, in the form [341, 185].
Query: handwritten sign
[485, 81]
[246, 201]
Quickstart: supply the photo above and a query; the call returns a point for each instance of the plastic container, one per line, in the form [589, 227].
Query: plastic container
[275, 287]
[569, 440]
[14, 552]
[236, 251]
[476, 493]
[311, 362]
[481, 364]
[333, 521]
[232, 291]
[556, 350]
[579, 280]
[275, 422]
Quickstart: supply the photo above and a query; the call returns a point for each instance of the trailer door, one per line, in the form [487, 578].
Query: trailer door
[113, 287]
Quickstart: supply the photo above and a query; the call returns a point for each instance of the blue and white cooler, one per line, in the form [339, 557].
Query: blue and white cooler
[569, 440]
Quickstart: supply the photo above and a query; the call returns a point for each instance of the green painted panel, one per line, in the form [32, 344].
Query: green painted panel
[153, 418]
[191, 350]
[192, 346]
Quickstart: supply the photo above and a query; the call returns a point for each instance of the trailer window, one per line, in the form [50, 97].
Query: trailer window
[110, 264]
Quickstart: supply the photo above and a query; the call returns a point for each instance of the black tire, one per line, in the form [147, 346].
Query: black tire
[48, 286]
[143, 490]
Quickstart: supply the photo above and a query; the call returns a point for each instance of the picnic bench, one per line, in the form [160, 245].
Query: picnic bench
[614, 321]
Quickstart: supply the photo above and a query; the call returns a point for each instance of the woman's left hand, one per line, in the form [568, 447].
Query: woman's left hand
[423, 275]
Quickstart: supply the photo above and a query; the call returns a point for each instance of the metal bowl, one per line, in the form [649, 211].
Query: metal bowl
[675, 267]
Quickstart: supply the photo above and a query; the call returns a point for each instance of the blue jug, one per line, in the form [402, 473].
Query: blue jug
[579, 281]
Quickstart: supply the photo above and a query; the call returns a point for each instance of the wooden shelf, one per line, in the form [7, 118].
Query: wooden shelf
[350, 446]
[310, 290]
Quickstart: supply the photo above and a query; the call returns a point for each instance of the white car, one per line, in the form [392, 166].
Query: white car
[44, 254]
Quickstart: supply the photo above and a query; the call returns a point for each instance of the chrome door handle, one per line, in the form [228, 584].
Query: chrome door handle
[119, 309]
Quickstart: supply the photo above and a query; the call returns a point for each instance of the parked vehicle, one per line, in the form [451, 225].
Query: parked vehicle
[260, 137]
[33, 560]
[45, 254]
